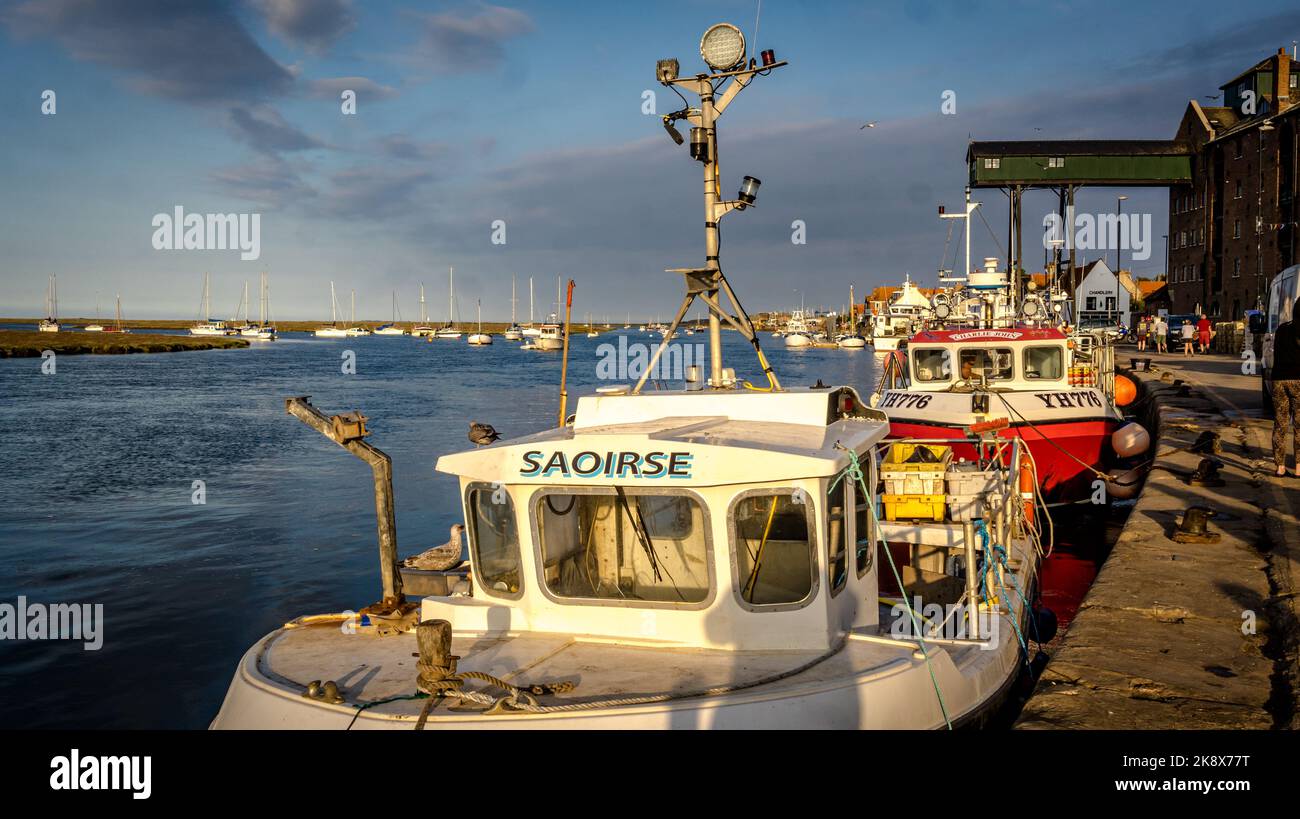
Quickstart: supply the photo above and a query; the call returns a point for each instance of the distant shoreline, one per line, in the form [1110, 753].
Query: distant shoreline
[492, 327]
[32, 343]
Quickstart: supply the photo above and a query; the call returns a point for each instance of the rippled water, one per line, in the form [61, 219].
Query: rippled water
[95, 502]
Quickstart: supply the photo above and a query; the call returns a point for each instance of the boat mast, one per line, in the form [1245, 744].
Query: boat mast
[451, 294]
[530, 301]
[334, 307]
[513, 322]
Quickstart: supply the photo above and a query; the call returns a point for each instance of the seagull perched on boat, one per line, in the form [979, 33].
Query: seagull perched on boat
[482, 434]
[439, 558]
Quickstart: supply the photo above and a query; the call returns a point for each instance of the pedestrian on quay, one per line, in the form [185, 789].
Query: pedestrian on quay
[1286, 391]
[1205, 332]
[1188, 333]
[1144, 329]
[1161, 331]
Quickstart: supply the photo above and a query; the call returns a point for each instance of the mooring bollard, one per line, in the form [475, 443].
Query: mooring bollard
[436, 660]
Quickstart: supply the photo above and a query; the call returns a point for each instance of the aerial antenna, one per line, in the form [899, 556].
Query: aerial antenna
[758, 16]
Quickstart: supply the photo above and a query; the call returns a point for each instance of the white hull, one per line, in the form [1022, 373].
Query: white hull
[531, 332]
[798, 340]
[447, 336]
[331, 332]
[480, 339]
[549, 344]
[209, 331]
[353, 332]
[94, 328]
[390, 331]
[852, 343]
[885, 343]
[512, 336]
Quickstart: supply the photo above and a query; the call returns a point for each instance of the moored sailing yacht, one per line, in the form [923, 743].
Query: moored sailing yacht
[117, 324]
[479, 338]
[514, 332]
[423, 329]
[711, 557]
[393, 328]
[333, 330]
[96, 327]
[448, 331]
[264, 330]
[206, 326]
[355, 329]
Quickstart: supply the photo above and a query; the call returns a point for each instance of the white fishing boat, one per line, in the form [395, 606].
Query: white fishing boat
[206, 326]
[710, 557]
[551, 336]
[479, 338]
[514, 332]
[798, 331]
[448, 331]
[393, 328]
[333, 330]
[895, 322]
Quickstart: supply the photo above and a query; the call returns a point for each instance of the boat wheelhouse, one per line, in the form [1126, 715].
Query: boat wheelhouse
[678, 560]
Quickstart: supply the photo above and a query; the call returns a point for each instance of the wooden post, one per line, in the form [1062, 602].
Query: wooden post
[564, 364]
[434, 640]
[381, 467]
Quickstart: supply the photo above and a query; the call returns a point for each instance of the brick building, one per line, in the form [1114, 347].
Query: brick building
[1234, 227]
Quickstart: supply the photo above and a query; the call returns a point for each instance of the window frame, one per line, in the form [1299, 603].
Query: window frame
[539, 559]
[1024, 362]
[848, 507]
[733, 542]
[1011, 350]
[471, 535]
[867, 502]
[916, 368]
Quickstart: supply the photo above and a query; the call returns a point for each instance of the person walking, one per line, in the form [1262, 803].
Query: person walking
[1205, 332]
[1161, 331]
[1188, 333]
[1286, 390]
[1144, 328]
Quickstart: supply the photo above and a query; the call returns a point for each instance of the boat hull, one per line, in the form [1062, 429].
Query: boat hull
[1057, 449]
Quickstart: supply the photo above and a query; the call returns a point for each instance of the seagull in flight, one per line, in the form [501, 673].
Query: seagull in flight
[871, 124]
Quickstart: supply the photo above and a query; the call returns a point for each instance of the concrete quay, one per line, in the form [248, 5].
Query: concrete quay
[1189, 635]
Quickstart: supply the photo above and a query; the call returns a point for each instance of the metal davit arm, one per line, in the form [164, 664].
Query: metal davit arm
[348, 431]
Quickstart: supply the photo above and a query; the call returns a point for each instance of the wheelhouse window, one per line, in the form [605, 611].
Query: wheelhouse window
[494, 538]
[995, 364]
[775, 561]
[864, 530]
[1047, 363]
[932, 364]
[623, 545]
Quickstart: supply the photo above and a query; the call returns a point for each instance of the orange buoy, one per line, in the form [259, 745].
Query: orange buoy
[1126, 392]
[1027, 488]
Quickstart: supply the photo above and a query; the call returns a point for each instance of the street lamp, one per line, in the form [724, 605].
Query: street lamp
[1119, 249]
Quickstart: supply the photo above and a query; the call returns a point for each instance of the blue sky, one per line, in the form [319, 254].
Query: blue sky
[530, 113]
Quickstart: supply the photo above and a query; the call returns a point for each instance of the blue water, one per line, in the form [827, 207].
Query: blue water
[95, 497]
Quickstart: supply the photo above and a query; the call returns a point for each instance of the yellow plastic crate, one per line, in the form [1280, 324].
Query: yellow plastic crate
[914, 479]
[914, 507]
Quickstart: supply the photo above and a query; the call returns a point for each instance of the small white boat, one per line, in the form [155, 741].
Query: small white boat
[448, 331]
[393, 328]
[423, 329]
[514, 332]
[551, 337]
[333, 330]
[480, 338]
[851, 341]
[50, 324]
[206, 326]
[264, 330]
[356, 330]
[96, 327]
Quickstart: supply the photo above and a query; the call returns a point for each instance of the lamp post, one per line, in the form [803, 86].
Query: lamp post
[1119, 250]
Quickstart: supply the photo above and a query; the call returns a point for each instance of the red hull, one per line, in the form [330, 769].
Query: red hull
[1062, 478]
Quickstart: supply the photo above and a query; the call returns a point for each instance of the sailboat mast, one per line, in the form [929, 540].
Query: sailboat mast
[424, 318]
[334, 306]
[513, 320]
[530, 301]
[451, 294]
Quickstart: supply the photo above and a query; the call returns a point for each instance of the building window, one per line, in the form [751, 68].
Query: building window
[992, 162]
[1294, 78]
[1236, 268]
[1238, 196]
[1236, 228]
[1237, 145]
[1056, 162]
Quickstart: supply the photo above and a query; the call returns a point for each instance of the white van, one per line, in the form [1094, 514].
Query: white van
[1282, 294]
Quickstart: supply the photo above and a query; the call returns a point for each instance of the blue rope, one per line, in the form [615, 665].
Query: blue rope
[999, 554]
[854, 470]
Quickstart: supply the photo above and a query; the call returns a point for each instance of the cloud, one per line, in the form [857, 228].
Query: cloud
[367, 90]
[267, 132]
[400, 146]
[192, 51]
[312, 24]
[268, 181]
[460, 43]
[372, 193]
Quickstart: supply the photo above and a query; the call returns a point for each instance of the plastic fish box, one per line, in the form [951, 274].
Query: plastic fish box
[973, 492]
[907, 473]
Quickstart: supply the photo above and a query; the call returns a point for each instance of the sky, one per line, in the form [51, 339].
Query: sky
[532, 114]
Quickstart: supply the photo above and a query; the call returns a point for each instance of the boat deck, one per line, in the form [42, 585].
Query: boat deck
[370, 670]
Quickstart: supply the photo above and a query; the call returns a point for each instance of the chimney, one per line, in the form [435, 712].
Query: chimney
[1282, 78]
